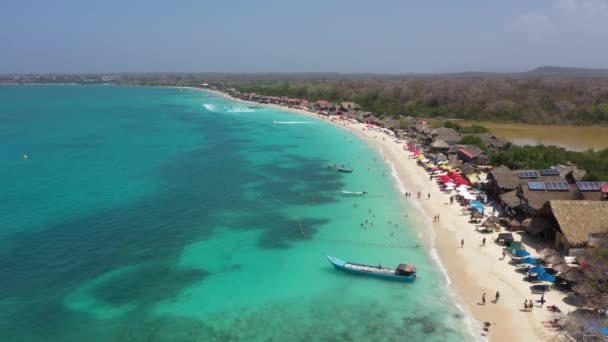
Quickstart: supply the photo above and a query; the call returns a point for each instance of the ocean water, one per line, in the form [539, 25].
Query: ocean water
[165, 214]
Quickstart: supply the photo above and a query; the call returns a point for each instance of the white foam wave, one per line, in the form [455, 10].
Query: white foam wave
[210, 107]
[469, 321]
[239, 110]
[294, 122]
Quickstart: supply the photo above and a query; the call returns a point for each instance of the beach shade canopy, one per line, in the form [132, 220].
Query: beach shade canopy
[537, 270]
[528, 260]
[488, 224]
[522, 253]
[572, 275]
[450, 184]
[546, 277]
[545, 252]
[476, 205]
[561, 267]
[514, 223]
[477, 214]
[554, 259]
[471, 197]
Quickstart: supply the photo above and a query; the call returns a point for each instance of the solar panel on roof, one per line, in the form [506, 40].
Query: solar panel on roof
[588, 186]
[557, 186]
[549, 172]
[528, 174]
[536, 186]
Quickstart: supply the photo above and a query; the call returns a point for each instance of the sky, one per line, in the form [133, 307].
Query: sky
[351, 36]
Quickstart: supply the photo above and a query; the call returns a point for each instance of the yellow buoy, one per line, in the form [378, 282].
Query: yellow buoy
[25, 156]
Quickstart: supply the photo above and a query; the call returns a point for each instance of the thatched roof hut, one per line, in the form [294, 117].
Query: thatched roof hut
[572, 222]
[504, 178]
[440, 145]
[511, 199]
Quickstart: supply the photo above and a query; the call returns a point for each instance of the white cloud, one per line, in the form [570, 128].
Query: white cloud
[534, 26]
[566, 4]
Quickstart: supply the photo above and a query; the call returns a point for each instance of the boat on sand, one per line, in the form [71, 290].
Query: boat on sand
[403, 272]
[354, 192]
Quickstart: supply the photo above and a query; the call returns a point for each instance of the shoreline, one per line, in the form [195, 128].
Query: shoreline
[469, 271]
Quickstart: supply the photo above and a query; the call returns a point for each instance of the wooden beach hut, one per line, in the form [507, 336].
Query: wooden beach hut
[570, 224]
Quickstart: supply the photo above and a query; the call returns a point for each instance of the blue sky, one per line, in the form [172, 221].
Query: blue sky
[299, 36]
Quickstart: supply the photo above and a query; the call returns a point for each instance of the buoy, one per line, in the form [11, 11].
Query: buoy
[25, 156]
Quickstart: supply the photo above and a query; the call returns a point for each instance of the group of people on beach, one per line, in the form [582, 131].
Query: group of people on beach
[496, 298]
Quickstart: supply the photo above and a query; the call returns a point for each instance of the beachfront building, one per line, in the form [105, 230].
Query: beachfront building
[570, 226]
[473, 155]
[346, 106]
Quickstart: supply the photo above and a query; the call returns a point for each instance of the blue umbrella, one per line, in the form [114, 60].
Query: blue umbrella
[529, 260]
[522, 253]
[546, 277]
[604, 331]
[538, 270]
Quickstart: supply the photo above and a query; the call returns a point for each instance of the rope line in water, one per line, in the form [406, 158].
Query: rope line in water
[345, 241]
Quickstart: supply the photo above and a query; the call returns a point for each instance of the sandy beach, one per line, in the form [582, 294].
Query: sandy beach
[472, 269]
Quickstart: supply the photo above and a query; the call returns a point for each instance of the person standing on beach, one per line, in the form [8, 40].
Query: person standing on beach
[483, 242]
[504, 254]
[525, 305]
[483, 299]
[542, 300]
[461, 243]
[531, 305]
[497, 297]
[429, 196]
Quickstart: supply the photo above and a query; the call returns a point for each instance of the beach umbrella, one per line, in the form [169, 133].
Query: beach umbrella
[470, 197]
[514, 223]
[582, 289]
[561, 267]
[537, 270]
[546, 277]
[572, 275]
[477, 214]
[528, 260]
[450, 184]
[488, 224]
[522, 253]
[545, 252]
[554, 259]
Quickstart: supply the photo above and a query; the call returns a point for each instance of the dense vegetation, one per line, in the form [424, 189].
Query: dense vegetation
[541, 157]
[473, 140]
[529, 100]
[466, 129]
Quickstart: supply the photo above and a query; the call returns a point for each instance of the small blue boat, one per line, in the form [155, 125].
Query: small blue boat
[403, 272]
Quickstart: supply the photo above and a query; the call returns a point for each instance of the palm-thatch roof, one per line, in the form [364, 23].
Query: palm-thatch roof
[511, 199]
[578, 219]
[505, 178]
[439, 144]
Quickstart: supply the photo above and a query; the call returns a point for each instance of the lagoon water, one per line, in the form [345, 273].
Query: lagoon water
[165, 214]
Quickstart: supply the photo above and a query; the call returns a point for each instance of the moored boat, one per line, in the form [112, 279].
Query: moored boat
[354, 192]
[253, 107]
[403, 272]
[341, 168]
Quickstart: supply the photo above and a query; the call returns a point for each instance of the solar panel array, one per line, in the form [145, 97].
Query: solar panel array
[589, 186]
[549, 172]
[529, 174]
[537, 186]
[558, 186]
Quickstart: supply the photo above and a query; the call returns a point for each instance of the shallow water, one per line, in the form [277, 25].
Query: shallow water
[174, 214]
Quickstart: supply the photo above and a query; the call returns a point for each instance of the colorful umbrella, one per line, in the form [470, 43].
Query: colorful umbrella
[537, 270]
[529, 260]
[522, 253]
[546, 277]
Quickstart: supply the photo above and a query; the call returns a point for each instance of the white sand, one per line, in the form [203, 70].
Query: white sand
[474, 269]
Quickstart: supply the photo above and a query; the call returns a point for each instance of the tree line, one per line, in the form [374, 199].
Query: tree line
[582, 101]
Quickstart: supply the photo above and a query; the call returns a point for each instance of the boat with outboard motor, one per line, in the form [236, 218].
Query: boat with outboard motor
[341, 168]
[354, 192]
[403, 272]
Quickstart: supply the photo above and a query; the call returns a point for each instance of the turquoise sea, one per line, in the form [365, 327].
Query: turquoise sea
[166, 214]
